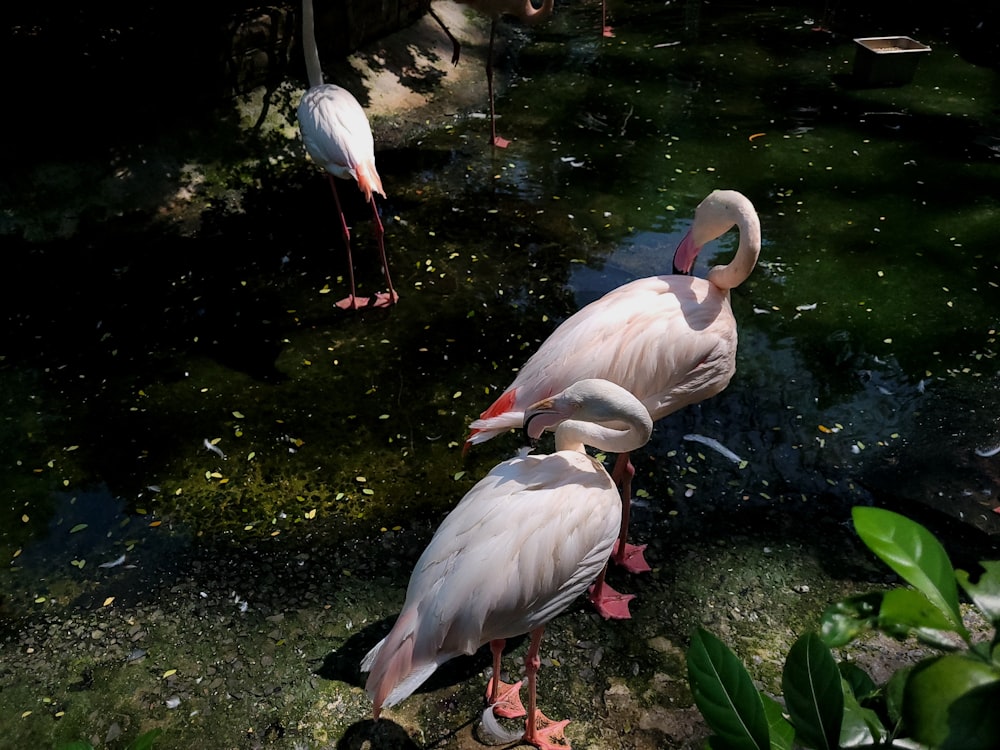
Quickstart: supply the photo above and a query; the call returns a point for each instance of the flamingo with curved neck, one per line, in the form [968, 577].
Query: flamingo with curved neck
[670, 340]
[516, 551]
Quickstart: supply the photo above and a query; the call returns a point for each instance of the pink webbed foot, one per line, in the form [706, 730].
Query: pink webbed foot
[631, 557]
[500, 142]
[610, 604]
[508, 702]
[547, 734]
[385, 299]
[607, 32]
[353, 302]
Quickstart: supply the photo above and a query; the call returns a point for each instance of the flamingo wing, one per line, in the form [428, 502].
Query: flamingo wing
[670, 340]
[338, 137]
[514, 553]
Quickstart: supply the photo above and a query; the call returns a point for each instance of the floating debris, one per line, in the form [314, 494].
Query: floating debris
[714, 445]
[114, 563]
[211, 446]
[988, 452]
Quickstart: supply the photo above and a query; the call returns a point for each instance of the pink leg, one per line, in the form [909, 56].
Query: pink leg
[383, 299]
[605, 29]
[609, 603]
[505, 699]
[353, 302]
[629, 556]
[539, 730]
[497, 140]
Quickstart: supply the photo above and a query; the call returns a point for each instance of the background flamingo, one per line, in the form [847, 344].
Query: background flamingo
[515, 552]
[523, 9]
[670, 340]
[337, 136]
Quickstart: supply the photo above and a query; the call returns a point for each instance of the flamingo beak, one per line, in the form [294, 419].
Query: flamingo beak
[685, 255]
[549, 418]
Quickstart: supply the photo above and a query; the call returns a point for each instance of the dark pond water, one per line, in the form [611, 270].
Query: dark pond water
[135, 332]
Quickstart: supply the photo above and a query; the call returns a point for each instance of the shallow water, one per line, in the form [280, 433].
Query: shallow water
[867, 367]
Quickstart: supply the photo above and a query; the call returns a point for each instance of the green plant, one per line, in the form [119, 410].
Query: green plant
[947, 701]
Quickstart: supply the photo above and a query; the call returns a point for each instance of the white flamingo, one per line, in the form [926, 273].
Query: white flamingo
[670, 340]
[519, 548]
[337, 135]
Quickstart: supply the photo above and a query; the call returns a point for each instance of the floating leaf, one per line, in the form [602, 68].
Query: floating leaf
[169, 673]
[458, 475]
[78, 527]
[107, 602]
[238, 415]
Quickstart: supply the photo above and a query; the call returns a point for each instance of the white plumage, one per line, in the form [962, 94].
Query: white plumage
[518, 549]
[670, 340]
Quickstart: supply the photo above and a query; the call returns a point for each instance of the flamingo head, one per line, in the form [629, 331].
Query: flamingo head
[685, 254]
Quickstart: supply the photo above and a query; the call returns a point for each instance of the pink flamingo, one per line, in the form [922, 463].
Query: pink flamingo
[516, 551]
[523, 9]
[337, 135]
[670, 340]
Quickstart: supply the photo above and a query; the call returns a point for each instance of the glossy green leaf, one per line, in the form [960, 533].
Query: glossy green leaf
[893, 691]
[725, 694]
[861, 685]
[974, 721]
[845, 620]
[904, 611]
[813, 693]
[985, 591]
[145, 741]
[933, 686]
[861, 726]
[781, 731]
[915, 554]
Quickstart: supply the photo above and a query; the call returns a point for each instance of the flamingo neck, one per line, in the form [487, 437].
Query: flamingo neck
[737, 271]
[629, 431]
[314, 70]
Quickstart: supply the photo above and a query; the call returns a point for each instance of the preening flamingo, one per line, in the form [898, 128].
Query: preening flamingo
[670, 340]
[525, 10]
[517, 550]
[337, 135]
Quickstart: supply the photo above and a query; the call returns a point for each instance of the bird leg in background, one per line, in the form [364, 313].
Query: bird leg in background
[629, 556]
[456, 48]
[497, 140]
[353, 302]
[539, 730]
[505, 699]
[605, 29]
[382, 299]
[609, 604]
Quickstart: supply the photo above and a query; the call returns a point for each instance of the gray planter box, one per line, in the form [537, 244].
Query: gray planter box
[887, 60]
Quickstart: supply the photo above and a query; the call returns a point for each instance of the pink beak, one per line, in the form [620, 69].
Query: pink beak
[685, 255]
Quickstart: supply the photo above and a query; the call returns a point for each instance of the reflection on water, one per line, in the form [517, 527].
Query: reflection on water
[867, 365]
